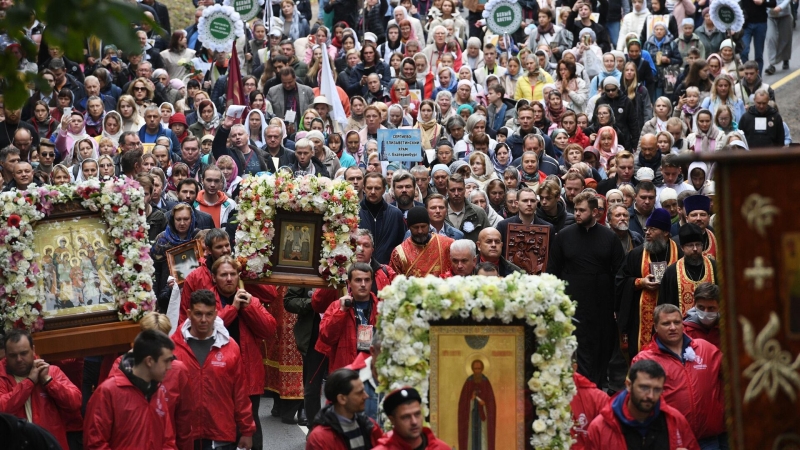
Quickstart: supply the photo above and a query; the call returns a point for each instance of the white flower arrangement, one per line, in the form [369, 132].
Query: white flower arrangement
[410, 304]
[121, 204]
[261, 196]
[738, 15]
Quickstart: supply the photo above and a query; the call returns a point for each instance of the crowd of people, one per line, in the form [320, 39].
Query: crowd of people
[574, 123]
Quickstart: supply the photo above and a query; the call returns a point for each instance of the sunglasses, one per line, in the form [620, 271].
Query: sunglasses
[105, 166]
[47, 155]
[139, 88]
[611, 90]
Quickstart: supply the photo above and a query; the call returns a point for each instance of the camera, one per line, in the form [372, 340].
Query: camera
[348, 303]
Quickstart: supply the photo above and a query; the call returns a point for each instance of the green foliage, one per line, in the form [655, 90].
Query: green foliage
[69, 24]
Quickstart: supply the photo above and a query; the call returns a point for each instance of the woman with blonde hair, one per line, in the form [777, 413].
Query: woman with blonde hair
[142, 91]
[723, 93]
[129, 111]
[60, 175]
[530, 86]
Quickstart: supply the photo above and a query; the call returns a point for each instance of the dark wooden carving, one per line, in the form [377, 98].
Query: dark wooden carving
[528, 247]
[759, 266]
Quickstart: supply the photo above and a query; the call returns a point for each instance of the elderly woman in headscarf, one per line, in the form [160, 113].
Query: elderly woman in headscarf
[476, 124]
[447, 80]
[480, 199]
[607, 143]
[482, 169]
[705, 137]
[444, 99]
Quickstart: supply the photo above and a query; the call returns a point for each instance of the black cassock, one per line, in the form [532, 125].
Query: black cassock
[588, 260]
[669, 284]
[628, 297]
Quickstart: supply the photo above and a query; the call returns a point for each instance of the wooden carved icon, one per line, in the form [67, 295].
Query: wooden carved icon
[528, 247]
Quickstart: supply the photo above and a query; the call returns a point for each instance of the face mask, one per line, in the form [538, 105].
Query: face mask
[707, 318]
[35, 164]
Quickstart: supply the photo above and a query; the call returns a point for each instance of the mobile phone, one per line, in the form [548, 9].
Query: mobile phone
[67, 111]
[115, 59]
[405, 101]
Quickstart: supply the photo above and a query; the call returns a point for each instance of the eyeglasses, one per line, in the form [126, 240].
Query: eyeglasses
[106, 166]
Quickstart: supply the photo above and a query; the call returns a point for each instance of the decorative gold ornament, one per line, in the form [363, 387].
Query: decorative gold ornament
[772, 367]
[759, 273]
[758, 212]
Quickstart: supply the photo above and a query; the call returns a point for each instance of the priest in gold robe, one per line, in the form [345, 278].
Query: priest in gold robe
[639, 279]
[424, 252]
[681, 278]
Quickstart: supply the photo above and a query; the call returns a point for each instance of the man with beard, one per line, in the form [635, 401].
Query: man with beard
[618, 220]
[424, 252]
[403, 191]
[638, 281]
[681, 278]
[638, 414]
[697, 209]
[587, 256]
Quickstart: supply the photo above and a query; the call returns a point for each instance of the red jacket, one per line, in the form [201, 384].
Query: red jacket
[322, 298]
[693, 388]
[580, 138]
[337, 333]
[390, 442]
[178, 394]
[50, 405]
[255, 325]
[200, 278]
[697, 331]
[605, 432]
[220, 397]
[119, 416]
[586, 405]
[327, 433]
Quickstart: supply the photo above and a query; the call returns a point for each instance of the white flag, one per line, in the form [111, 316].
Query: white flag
[328, 88]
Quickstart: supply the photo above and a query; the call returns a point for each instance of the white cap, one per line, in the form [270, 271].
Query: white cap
[667, 194]
[645, 173]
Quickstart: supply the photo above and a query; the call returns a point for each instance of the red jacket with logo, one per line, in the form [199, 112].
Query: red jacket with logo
[586, 405]
[389, 441]
[119, 416]
[50, 405]
[698, 331]
[337, 333]
[221, 403]
[605, 432]
[255, 325]
[178, 393]
[693, 387]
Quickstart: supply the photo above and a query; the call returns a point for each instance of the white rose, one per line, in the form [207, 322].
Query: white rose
[539, 426]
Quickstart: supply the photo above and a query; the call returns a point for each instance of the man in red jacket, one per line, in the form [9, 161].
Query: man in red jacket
[339, 425]
[638, 416]
[129, 409]
[250, 327]
[694, 375]
[213, 359]
[33, 390]
[402, 406]
[217, 244]
[348, 323]
[702, 321]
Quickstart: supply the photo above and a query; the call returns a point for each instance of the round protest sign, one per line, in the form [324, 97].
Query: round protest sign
[219, 27]
[503, 16]
[727, 15]
[247, 9]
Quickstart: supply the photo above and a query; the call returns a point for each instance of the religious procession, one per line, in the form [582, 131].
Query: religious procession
[398, 224]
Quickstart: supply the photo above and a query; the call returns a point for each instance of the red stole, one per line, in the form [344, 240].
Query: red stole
[416, 261]
[649, 299]
[686, 285]
[711, 250]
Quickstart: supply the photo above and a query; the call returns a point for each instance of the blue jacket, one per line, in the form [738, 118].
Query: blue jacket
[163, 131]
[387, 234]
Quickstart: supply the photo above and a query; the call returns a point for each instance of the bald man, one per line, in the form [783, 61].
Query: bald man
[490, 246]
[648, 156]
[92, 86]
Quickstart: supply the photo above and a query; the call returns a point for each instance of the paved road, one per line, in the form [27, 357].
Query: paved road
[278, 435]
[787, 93]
